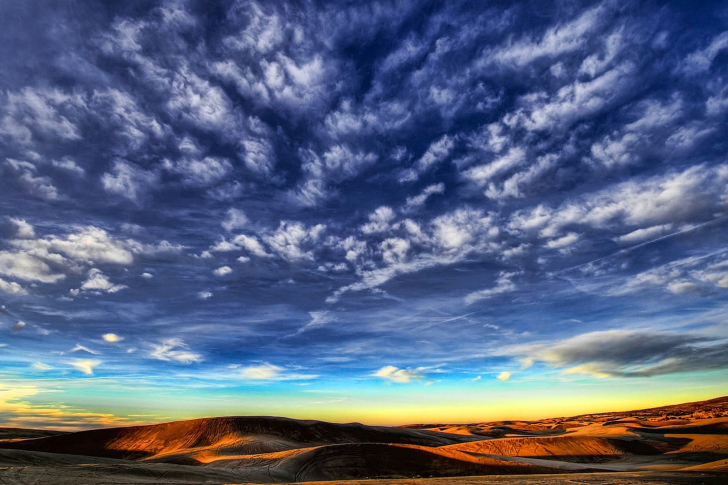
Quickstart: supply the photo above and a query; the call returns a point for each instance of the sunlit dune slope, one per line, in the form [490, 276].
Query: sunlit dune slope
[564, 447]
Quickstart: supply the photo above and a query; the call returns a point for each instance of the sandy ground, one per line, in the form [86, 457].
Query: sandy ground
[688, 444]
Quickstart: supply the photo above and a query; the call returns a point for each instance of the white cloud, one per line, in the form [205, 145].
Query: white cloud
[86, 365]
[18, 326]
[201, 172]
[81, 348]
[258, 155]
[223, 271]
[636, 204]
[645, 234]
[294, 241]
[201, 104]
[41, 111]
[318, 319]
[693, 274]
[147, 276]
[400, 376]
[251, 244]
[26, 176]
[42, 367]
[379, 220]
[597, 62]
[204, 295]
[680, 287]
[482, 174]
[121, 114]
[69, 165]
[235, 219]
[574, 102]
[557, 40]
[11, 288]
[563, 242]
[174, 349]
[627, 145]
[88, 244]
[223, 246]
[514, 185]
[447, 239]
[503, 284]
[49, 259]
[504, 376]
[27, 267]
[23, 230]
[342, 163]
[419, 200]
[264, 32]
[436, 153]
[261, 372]
[270, 372]
[394, 250]
[112, 338]
[461, 228]
[701, 60]
[97, 281]
[339, 163]
[128, 180]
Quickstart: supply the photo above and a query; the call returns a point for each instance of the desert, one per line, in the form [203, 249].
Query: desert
[686, 443]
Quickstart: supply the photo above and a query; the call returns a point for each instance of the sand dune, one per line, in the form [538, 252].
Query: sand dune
[228, 435]
[689, 439]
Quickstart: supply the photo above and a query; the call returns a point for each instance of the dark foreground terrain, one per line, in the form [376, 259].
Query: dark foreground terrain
[682, 444]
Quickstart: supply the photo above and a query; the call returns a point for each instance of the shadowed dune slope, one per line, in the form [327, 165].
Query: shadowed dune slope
[232, 435]
[373, 460]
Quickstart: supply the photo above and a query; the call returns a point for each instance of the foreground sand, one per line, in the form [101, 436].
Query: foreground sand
[672, 445]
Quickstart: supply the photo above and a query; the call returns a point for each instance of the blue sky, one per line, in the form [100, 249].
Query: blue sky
[385, 212]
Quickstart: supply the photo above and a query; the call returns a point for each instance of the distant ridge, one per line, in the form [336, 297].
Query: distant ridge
[714, 408]
[711, 408]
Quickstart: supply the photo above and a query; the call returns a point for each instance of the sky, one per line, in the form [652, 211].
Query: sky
[387, 212]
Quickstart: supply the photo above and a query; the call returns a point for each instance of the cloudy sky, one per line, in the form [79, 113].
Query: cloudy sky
[387, 212]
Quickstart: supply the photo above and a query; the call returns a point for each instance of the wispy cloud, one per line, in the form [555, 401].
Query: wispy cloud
[173, 350]
[85, 365]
